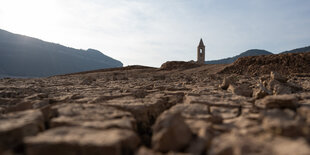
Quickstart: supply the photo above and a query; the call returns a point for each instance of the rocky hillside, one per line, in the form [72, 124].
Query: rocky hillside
[22, 56]
[149, 111]
[253, 52]
[282, 63]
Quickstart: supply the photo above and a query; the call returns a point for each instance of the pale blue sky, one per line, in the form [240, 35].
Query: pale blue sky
[148, 32]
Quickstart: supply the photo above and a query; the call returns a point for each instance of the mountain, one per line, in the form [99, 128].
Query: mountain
[298, 50]
[252, 52]
[22, 56]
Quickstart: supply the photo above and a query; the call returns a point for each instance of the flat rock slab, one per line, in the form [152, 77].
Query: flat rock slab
[280, 101]
[145, 110]
[77, 140]
[92, 116]
[235, 144]
[217, 97]
[195, 112]
[285, 123]
[228, 108]
[15, 126]
[242, 90]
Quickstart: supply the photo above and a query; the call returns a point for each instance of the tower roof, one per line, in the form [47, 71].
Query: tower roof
[201, 43]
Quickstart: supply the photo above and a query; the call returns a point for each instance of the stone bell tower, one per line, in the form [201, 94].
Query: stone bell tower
[201, 53]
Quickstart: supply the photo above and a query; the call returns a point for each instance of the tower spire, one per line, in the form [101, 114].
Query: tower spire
[201, 43]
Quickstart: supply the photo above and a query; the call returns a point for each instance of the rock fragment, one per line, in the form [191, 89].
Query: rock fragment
[278, 88]
[2, 110]
[196, 112]
[145, 151]
[170, 133]
[261, 92]
[15, 126]
[88, 80]
[226, 82]
[242, 90]
[304, 112]
[233, 144]
[283, 122]
[20, 105]
[280, 101]
[75, 140]
[250, 124]
[140, 93]
[197, 117]
[280, 85]
[278, 77]
[285, 146]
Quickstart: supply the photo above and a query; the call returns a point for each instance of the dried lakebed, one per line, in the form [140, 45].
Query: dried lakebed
[140, 110]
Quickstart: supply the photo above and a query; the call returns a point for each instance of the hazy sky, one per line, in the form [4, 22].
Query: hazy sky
[150, 32]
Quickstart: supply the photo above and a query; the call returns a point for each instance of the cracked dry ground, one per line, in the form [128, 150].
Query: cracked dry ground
[140, 110]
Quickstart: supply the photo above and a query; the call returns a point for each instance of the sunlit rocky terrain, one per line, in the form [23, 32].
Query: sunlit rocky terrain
[249, 107]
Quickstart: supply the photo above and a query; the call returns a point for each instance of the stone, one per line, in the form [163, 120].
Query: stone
[40, 103]
[145, 151]
[2, 110]
[226, 82]
[92, 116]
[248, 125]
[158, 77]
[278, 88]
[285, 146]
[140, 93]
[281, 89]
[278, 77]
[20, 106]
[225, 112]
[283, 122]
[294, 86]
[199, 119]
[234, 144]
[242, 90]
[261, 92]
[196, 111]
[38, 96]
[76, 140]
[280, 101]
[197, 146]
[304, 112]
[88, 80]
[45, 107]
[263, 78]
[15, 126]
[170, 133]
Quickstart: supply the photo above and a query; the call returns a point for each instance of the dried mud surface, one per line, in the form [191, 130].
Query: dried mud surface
[172, 110]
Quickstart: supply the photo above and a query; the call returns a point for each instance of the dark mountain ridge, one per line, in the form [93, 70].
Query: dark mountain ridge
[255, 52]
[22, 56]
[298, 50]
[252, 52]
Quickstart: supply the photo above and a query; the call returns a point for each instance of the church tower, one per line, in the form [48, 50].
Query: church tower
[201, 53]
